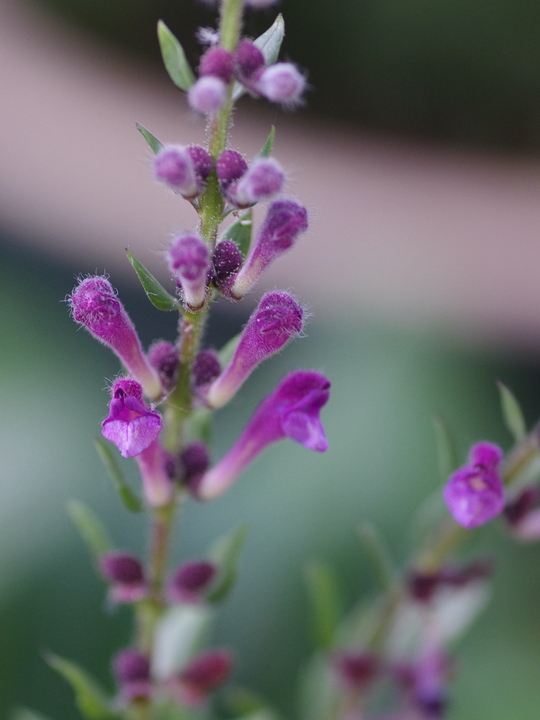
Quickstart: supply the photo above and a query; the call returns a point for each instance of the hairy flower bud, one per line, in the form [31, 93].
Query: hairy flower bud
[230, 166]
[263, 179]
[125, 573]
[206, 368]
[249, 62]
[282, 83]
[284, 221]
[190, 581]
[227, 261]
[132, 671]
[204, 673]
[189, 260]
[276, 320]
[163, 357]
[292, 410]
[207, 95]
[194, 462]
[219, 62]
[94, 304]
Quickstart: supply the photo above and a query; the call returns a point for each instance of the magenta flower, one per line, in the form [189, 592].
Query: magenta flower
[130, 425]
[204, 673]
[132, 671]
[126, 575]
[190, 581]
[189, 260]
[475, 493]
[94, 304]
[284, 222]
[207, 95]
[292, 410]
[282, 83]
[277, 319]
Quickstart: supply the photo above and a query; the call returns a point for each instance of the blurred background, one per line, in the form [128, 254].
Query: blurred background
[417, 153]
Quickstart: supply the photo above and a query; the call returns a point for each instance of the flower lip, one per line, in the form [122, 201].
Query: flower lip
[130, 425]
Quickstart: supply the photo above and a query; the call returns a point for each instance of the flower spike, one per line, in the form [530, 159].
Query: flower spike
[292, 410]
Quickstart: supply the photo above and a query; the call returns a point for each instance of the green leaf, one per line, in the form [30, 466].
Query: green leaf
[157, 294]
[325, 602]
[91, 701]
[240, 232]
[269, 43]
[174, 58]
[266, 149]
[378, 552]
[225, 553]
[131, 501]
[155, 144]
[446, 447]
[90, 529]
[26, 714]
[227, 351]
[512, 414]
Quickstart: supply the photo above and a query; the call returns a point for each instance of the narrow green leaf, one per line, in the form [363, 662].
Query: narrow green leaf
[227, 351]
[174, 58]
[240, 232]
[91, 701]
[325, 602]
[157, 294]
[155, 144]
[131, 501]
[266, 149]
[225, 553]
[380, 556]
[446, 447]
[90, 529]
[269, 43]
[512, 414]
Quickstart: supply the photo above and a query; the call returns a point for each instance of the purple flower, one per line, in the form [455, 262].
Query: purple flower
[94, 304]
[190, 581]
[292, 410]
[126, 574]
[204, 673]
[183, 169]
[154, 467]
[130, 425]
[282, 83]
[189, 260]
[263, 180]
[475, 493]
[219, 62]
[284, 221]
[277, 319]
[132, 671]
[207, 95]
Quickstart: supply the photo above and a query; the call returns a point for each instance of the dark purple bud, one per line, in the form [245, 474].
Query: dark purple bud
[202, 162]
[163, 357]
[230, 166]
[284, 221]
[475, 493]
[126, 574]
[282, 83]
[132, 671]
[194, 461]
[207, 95]
[276, 320]
[130, 425]
[219, 62]
[190, 581]
[459, 577]
[520, 506]
[206, 368]
[94, 304]
[292, 410]
[203, 674]
[249, 62]
[422, 585]
[189, 260]
[263, 180]
[355, 670]
[227, 261]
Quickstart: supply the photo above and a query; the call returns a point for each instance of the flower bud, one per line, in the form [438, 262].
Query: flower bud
[263, 180]
[219, 62]
[174, 167]
[125, 573]
[189, 260]
[249, 62]
[163, 357]
[207, 95]
[284, 221]
[230, 166]
[227, 261]
[282, 83]
[94, 304]
[276, 320]
[132, 671]
[190, 581]
[194, 461]
[206, 368]
[292, 410]
[203, 674]
[475, 493]
[130, 425]
[355, 669]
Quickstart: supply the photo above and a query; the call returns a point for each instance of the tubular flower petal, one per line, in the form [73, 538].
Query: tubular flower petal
[130, 425]
[292, 410]
[189, 260]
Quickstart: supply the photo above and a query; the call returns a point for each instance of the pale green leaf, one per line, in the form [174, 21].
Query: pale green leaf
[325, 602]
[155, 144]
[446, 447]
[126, 494]
[266, 149]
[174, 58]
[157, 294]
[90, 699]
[375, 547]
[512, 414]
[225, 553]
[90, 529]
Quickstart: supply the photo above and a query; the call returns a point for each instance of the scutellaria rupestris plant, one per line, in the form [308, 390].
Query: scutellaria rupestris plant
[390, 660]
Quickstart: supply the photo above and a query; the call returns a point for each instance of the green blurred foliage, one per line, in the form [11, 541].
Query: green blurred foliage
[298, 505]
[460, 70]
